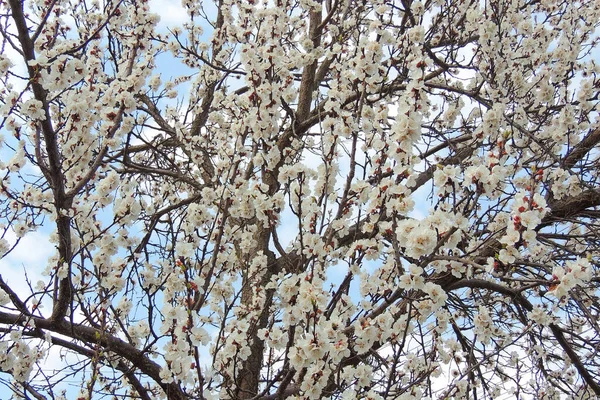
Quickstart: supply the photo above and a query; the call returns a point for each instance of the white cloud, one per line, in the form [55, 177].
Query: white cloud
[171, 12]
[26, 261]
[33, 249]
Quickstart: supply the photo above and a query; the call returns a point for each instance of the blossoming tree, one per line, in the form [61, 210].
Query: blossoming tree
[341, 199]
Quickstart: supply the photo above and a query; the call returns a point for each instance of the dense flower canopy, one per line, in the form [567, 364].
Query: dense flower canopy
[356, 199]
